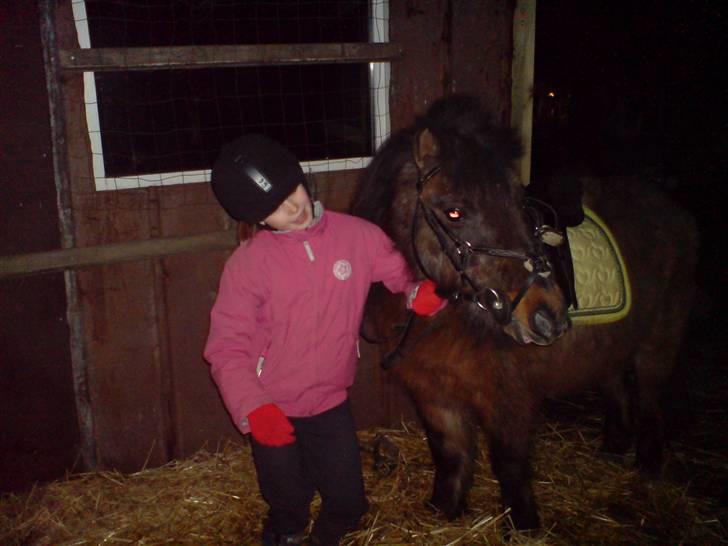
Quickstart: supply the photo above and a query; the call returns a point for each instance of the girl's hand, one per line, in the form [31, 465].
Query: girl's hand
[269, 426]
[424, 301]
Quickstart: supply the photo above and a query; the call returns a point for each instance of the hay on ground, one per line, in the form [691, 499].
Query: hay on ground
[212, 498]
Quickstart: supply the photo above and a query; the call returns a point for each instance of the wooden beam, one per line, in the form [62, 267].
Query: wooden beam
[74, 258]
[166, 58]
[524, 47]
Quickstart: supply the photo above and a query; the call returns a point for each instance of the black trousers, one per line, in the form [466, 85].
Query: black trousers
[324, 458]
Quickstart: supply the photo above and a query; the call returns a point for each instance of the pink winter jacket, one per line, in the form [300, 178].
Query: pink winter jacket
[285, 325]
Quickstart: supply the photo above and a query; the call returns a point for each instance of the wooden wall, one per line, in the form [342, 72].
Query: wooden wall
[142, 324]
[38, 426]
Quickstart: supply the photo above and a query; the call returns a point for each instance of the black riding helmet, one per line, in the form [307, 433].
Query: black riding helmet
[253, 175]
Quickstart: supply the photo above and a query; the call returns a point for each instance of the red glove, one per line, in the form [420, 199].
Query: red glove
[269, 426]
[424, 301]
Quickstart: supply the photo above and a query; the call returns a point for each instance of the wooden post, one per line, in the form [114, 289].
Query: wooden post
[79, 363]
[524, 47]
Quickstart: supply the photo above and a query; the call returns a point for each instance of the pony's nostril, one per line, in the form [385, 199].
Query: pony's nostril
[544, 324]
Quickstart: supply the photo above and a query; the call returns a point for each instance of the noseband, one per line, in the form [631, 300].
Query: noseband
[459, 252]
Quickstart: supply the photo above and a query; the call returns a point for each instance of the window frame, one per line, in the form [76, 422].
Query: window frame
[379, 89]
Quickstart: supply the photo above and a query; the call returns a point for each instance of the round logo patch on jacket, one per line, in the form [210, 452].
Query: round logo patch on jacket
[342, 270]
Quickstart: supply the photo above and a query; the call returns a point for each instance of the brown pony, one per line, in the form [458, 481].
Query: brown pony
[444, 191]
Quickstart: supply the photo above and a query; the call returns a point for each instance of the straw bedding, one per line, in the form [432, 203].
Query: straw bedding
[212, 498]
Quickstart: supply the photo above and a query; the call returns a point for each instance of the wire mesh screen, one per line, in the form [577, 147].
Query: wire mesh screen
[162, 127]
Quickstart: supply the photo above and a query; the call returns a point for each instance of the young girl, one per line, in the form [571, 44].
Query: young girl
[284, 332]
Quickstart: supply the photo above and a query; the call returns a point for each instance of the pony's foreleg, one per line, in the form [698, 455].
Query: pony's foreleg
[451, 438]
[509, 450]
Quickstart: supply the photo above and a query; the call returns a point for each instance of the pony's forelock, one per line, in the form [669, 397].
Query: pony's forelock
[470, 141]
[470, 144]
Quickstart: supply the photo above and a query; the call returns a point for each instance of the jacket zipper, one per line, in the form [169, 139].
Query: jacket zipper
[309, 251]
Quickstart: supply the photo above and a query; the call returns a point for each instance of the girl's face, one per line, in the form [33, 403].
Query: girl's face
[295, 213]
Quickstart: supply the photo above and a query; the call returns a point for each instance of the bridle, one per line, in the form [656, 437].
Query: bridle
[459, 253]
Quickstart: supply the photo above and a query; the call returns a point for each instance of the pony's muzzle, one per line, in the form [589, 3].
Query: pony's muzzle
[542, 328]
[548, 326]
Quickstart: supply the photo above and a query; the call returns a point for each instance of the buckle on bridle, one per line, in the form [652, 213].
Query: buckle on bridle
[549, 235]
[498, 305]
[538, 264]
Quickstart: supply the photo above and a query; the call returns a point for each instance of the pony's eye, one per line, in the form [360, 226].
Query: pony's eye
[454, 214]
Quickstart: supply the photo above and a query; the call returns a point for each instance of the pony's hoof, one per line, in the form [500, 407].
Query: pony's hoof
[650, 468]
[525, 525]
[614, 445]
[449, 511]
[649, 459]
[611, 455]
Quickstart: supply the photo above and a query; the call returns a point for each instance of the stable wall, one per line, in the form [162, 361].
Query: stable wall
[142, 389]
[38, 425]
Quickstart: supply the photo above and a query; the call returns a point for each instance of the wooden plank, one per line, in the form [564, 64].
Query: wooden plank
[421, 77]
[480, 54]
[73, 258]
[165, 58]
[190, 286]
[524, 46]
[79, 363]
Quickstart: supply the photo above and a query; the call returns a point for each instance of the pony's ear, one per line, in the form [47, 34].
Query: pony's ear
[425, 145]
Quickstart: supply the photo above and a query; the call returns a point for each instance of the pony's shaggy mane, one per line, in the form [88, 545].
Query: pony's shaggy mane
[375, 190]
[470, 144]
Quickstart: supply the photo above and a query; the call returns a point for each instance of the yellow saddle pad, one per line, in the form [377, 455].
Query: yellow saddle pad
[602, 284]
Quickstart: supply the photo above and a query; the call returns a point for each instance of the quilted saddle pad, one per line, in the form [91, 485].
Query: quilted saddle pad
[602, 284]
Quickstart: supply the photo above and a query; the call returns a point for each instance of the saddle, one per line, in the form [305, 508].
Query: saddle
[560, 197]
[587, 266]
[601, 280]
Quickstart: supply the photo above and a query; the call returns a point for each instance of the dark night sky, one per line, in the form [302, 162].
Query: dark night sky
[650, 71]
[641, 88]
